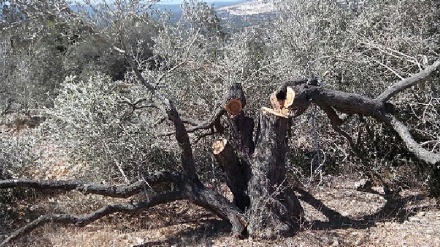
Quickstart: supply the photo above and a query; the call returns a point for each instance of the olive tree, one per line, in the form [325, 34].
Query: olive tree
[197, 96]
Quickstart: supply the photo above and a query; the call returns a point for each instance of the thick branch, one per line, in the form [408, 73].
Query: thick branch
[237, 174]
[275, 207]
[350, 103]
[409, 82]
[336, 122]
[120, 191]
[82, 220]
[234, 99]
[218, 204]
[401, 129]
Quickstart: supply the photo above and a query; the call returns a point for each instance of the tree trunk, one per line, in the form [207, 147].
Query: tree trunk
[236, 174]
[275, 209]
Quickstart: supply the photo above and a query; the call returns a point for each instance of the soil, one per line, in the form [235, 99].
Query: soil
[336, 214]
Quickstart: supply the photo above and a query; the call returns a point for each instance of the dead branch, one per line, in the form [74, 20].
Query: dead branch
[82, 220]
[331, 101]
[420, 77]
[118, 191]
[336, 122]
[416, 148]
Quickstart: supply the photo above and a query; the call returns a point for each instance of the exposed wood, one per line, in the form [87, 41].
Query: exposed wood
[290, 96]
[233, 106]
[278, 112]
[281, 100]
[234, 99]
[219, 145]
[236, 174]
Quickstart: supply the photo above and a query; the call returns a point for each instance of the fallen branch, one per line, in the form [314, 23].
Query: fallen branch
[119, 191]
[82, 220]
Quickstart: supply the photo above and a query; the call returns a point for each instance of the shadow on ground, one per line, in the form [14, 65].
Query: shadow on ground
[396, 208]
[202, 234]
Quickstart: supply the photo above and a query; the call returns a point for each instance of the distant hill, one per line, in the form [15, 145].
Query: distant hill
[247, 8]
[240, 12]
[176, 11]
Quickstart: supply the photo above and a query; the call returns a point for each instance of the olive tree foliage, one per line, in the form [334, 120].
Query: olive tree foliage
[44, 41]
[99, 130]
[117, 126]
[363, 47]
[32, 46]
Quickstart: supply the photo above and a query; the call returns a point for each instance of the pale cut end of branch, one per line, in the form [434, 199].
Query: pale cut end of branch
[219, 145]
[280, 113]
[274, 102]
[282, 99]
[233, 106]
[290, 96]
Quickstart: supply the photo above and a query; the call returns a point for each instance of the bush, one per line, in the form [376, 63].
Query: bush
[95, 123]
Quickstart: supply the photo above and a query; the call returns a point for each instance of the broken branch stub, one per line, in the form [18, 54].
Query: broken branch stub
[235, 100]
[281, 101]
[219, 145]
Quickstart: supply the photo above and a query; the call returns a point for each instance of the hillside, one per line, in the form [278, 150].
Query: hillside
[248, 8]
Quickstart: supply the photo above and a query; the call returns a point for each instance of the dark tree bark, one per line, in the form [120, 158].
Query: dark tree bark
[275, 209]
[233, 152]
[237, 176]
[330, 101]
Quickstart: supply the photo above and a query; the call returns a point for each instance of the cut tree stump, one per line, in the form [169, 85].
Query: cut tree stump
[275, 210]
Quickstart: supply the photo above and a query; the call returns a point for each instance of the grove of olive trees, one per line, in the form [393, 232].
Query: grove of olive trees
[138, 105]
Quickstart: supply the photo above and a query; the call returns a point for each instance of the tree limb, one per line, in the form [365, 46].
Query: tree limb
[219, 205]
[350, 103]
[82, 220]
[336, 122]
[409, 82]
[119, 191]
[197, 125]
[403, 131]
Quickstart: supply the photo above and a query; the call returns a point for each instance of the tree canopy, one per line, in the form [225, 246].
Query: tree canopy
[124, 96]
